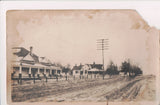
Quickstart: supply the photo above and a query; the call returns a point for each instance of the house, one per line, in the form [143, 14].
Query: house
[51, 69]
[95, 68]
[80, 70]
[87, 69]
[27, 65]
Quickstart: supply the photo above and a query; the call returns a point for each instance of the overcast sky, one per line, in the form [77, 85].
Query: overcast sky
[69, 37]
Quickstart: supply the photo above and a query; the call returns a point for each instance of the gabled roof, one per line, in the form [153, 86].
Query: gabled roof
[26, 56]
[22, 53]
[45, 61]
[31, 58]
[97, 66]
[77, 67]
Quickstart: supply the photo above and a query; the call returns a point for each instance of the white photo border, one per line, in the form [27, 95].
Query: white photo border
[149, 10]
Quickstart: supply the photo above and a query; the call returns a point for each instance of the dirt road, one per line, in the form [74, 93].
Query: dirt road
[117, 88]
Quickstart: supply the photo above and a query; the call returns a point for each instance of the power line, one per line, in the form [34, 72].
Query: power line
[104, 45]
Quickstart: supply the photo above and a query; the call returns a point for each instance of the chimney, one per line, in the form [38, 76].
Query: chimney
[31, 50]
[94, 63]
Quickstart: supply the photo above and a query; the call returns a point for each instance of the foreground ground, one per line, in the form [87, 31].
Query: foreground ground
[117, 88]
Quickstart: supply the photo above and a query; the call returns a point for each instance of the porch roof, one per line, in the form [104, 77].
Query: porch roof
[37, 65]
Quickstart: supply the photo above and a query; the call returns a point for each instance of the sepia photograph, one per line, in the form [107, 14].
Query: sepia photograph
[100, 55]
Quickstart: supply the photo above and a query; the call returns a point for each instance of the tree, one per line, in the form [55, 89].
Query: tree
[126, 67]
[112, 69]
[66, 69]
[133, 70]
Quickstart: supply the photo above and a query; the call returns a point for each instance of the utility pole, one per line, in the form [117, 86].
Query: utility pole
[102, 44]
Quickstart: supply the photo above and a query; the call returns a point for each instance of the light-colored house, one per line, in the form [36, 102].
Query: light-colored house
[95, 68]
[80, 70]
[87, 69]
[28, 64]
[51, 69]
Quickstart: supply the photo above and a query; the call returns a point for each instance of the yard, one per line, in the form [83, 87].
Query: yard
[116, 88]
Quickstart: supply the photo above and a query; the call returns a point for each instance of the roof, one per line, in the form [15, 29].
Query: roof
[45, 61]
[37, 65]
[97, 66]
[26, 56]
[94, 69]
[77, 67]
[22, 53]
[30, 58]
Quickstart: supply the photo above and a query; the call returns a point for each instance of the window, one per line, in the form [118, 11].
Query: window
[85, 71]
[81, 72]
[58, 71]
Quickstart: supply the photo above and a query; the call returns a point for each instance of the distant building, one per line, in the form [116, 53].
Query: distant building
[27, 65]
[95, 68]
[80, 70]
[87, 69]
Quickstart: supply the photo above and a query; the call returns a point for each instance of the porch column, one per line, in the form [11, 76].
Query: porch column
[20, 74]
[44, 70]
[55, 71]
[20, 69]
[38, 72]
[50, 71]
[91, 74]
[29, 71]
[87, 74]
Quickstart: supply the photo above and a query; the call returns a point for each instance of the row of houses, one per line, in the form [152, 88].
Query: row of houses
[27, 65]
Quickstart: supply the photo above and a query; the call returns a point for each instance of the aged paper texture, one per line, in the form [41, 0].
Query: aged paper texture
[101, 57]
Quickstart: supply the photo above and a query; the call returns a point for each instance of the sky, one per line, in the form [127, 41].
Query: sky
[69, 37]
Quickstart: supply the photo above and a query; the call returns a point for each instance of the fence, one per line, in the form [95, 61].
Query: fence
[57, 78]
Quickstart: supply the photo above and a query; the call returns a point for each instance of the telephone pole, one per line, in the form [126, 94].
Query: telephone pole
[102, 44]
